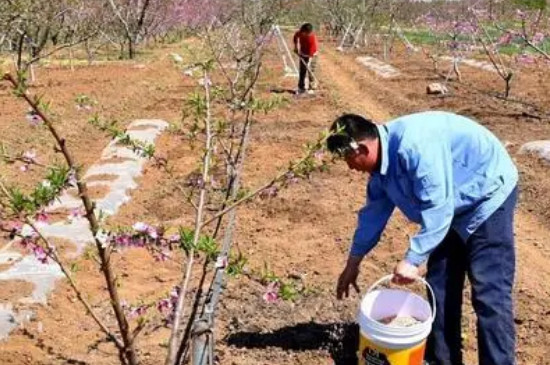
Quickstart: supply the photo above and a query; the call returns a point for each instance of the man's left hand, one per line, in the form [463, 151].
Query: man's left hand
[405, 273]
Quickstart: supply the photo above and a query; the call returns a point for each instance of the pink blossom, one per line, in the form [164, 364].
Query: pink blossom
[270, 192]
[465, 28]
[521, 14]
[175, 238]
[33, 118]
[75, 214]
[525, 59]
[168, 305]
[29, 156]
[27, 242]
[221, 262]
[174, 293]
[13, 226]
[123, 240]
[71, 178]
[538, 38]
[164, 305]
[272, 292]
[42, 218]
[196, 182]
[205, 81]
[40, 254]
[152, 232]
[137, 242]
[162, 256]
[505, 38]
[291, 177]
[319, 155]
[137, 311]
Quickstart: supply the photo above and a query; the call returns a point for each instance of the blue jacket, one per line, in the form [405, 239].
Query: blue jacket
[442, 171]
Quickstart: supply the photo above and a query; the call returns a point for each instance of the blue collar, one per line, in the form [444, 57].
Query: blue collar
[384, 139]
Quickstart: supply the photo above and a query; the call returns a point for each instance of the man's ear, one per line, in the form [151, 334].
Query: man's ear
[363, 149]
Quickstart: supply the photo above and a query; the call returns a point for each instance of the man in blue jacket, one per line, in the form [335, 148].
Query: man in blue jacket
[456, 180]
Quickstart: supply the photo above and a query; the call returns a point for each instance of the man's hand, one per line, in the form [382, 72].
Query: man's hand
[348, 277]
[405, 273]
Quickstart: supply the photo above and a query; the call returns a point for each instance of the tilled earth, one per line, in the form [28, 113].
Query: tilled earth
[303, 233]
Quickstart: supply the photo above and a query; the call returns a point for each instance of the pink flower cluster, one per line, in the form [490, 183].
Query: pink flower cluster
[465, 27]
[28, 158]
[134, 312]
[29, 241]
[142, 235]
[525, 59]
[33, 118]
[271, 294]
[167, 306]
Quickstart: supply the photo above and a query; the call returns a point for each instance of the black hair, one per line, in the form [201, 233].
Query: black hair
[349, 128]
[306, 28]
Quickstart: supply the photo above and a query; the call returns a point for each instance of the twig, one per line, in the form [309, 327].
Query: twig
[176, 336]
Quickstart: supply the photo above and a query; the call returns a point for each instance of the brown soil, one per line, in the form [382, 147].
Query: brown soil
[101, 177]
[58, 215]
[4, 267]
[12, 290]
[95, 192]
[305, 232]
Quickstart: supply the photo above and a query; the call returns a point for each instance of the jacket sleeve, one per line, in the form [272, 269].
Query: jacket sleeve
[314, 46]
[430, 169]
[372, 219]
[295, 39]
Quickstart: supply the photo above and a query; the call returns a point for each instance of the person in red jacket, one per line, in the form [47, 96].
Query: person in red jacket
[305, 46]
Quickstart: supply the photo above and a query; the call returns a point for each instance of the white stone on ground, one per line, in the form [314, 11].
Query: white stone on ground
[380, 68]
[44, 276]
[482, 65]
[539, 148]
[436, 89]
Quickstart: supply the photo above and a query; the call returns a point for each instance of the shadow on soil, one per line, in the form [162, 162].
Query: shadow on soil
[339, 339]
[282, 91]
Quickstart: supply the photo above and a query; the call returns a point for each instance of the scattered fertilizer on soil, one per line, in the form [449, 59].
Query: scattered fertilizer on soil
[403, 321]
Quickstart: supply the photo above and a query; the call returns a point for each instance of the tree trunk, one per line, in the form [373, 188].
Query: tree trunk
[20, 45]
[122, 48]
[131, 47]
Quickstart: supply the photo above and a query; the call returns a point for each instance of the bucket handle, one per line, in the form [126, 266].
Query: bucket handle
[418, 278]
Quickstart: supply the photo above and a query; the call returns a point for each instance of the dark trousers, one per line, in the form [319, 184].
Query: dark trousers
[488, 257]
[304, 70]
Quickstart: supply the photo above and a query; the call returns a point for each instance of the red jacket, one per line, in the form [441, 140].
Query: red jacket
[308, 43]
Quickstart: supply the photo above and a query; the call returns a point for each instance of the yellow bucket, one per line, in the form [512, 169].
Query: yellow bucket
[381, 344]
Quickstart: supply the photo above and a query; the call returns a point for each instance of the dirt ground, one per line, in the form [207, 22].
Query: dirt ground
[304, 232]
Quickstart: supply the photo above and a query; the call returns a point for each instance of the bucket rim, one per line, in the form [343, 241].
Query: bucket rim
[418, 278]
[387, 327]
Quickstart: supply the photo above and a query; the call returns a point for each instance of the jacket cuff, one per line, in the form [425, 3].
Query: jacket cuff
[414, 258]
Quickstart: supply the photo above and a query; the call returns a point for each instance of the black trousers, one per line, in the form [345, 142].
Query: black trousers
[304, 71]
[488, 258]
